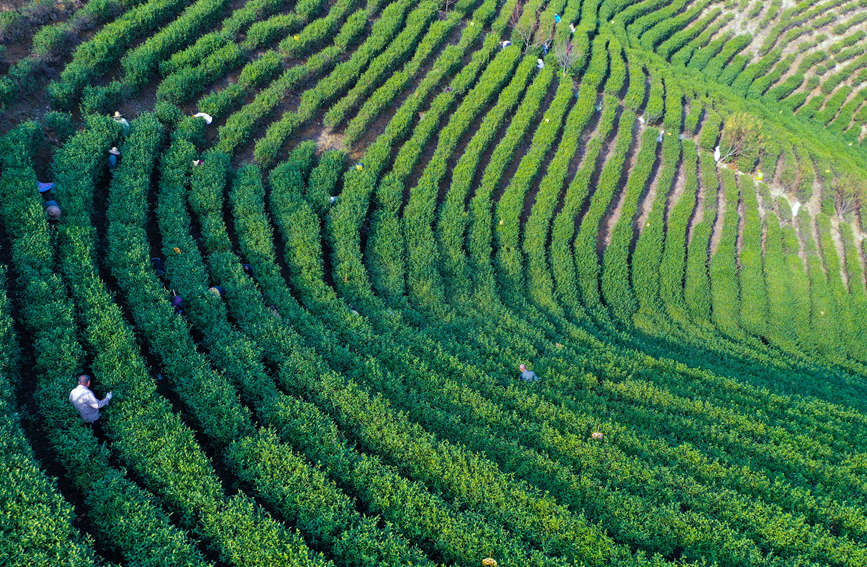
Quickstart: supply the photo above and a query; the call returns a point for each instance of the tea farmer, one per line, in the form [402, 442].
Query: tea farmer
[113, 156]
[206, 117]
[124, 123]
[178, 303]
[158, 266]
[52, 209]
[527, 375]
[82, 398]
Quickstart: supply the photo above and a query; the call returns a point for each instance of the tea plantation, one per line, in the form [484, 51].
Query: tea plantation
[307, 244]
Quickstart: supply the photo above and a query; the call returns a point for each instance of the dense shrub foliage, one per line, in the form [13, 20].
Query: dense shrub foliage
[306, 245]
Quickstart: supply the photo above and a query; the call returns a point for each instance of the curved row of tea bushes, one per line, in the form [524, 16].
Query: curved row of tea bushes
[37, 521]
[422, 278]
[344, 74]
[147, 435]
[128, 517]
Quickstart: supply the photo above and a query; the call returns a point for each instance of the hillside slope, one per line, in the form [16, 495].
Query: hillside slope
[311, 308]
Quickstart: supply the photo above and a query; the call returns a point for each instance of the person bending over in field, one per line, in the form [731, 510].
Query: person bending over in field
[527, 375]
[52, 210]
[124, 123]
[204, 116]
[113, 157]
[85, 402]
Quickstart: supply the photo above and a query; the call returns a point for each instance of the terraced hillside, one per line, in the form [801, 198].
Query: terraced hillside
[310, 303]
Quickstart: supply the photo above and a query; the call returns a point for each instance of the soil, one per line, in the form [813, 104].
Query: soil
[244, 153]
[859, 238]
[420, 165]
[697, 214]
[445, 181]
[32, 106]
[152, 361]
[716, 233]
[677, 190]
[523, 147]
[763, 211]
[31, 422]
[533, 191]
[13, 4]
[190, 107]
[856, 92]
[802, 251]
[37, 14]
[601, 161]
[329, 140]
[841, 252]
[739, 242]
[144, 101]
[815, 206]
[590, 131]
[378, 127]
[609, 220]
[742, 23]
[13, 53]
[646, 202]
[485, 157]
[817, 90]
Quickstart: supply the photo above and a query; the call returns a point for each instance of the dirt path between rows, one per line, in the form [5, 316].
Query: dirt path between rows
[697, 215]
[841, 252]
[677, 190]
[716, 233]
[739, 241]
[649, 194]
[612, 216]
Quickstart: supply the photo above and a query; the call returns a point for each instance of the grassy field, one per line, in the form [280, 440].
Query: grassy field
[658, 207]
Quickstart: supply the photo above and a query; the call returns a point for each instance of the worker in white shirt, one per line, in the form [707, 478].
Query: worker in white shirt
[85, 402]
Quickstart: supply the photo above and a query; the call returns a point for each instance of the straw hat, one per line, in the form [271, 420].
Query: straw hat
[597, 435]
[489, 562]
[114, 151]
[53, 212]
[117, 114]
